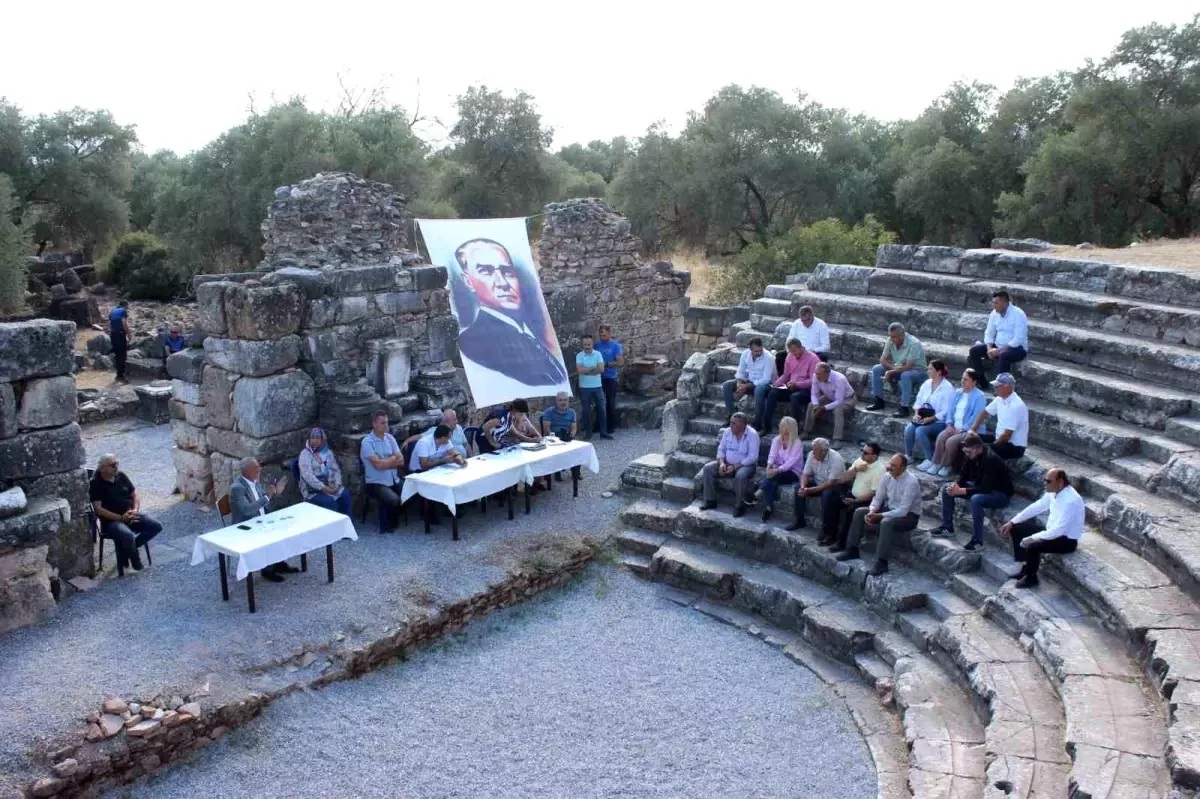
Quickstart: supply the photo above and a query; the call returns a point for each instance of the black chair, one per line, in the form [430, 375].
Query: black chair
[97, 536]
[473, 434]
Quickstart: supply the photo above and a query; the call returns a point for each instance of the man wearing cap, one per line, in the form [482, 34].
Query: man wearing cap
[984, 483]
[1012, 420]
[1061, 533]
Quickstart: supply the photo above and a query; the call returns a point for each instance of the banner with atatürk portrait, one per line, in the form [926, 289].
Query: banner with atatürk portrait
[505, 337]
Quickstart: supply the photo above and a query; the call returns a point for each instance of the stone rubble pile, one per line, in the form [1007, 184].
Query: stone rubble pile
[44, 534]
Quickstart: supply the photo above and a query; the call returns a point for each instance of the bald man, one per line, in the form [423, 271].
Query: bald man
[1060, 534]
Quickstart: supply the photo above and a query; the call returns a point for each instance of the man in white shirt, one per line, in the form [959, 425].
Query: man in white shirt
[755, 373]
[900, 493]
[1005, 341]
[1060, 534]
[435, 450]
[1012, 420]
[810, 331]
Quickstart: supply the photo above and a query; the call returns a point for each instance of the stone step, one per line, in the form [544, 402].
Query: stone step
[1136, 470]
[1127, 317]
[1184, 428]
[945, 604]
[681, 490]
[1165, 364]
[875, 670]
[638, 564]
[919, 627]
[798, 279]
[650, 515]
[1024, 737]
[640, 542]
[767, 306]
[780, 292]
[892, 645]
[685, 464]
[974, 587]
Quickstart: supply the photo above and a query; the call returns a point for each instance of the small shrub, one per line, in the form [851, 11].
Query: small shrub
[140, 264]
[13, 244]
[798, 250]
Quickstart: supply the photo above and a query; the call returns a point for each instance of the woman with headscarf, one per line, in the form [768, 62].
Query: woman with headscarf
[320, 475]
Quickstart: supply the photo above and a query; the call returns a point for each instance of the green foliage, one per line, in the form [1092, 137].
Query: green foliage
[14, 243]
[798, 250]
[140, 264]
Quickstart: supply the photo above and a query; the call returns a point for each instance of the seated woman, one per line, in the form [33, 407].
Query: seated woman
[965, 405]
[931, 410]
[513, 428]
[784, 464]
[320, 475]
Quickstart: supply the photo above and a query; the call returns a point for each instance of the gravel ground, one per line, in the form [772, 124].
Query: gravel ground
[166, 629]
[599, 689]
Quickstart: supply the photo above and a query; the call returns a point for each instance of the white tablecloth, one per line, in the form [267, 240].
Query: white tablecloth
[495, 471]
[277, 536]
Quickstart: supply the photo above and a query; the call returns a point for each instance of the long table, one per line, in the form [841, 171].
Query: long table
[274, 537]
[495, 473]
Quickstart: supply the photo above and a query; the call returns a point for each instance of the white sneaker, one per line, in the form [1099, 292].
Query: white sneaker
[928, 467]
[944, 471]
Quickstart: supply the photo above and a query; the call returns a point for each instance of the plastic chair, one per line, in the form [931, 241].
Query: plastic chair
[473, 434]
[97, 535]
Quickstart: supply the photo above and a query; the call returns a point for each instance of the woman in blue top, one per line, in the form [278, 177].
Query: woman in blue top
[964, 407]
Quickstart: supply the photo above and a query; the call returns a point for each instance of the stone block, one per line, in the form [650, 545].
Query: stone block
[706, 320]
[154, 402]
[397, 303]
[272, 448]
[195, 415]
[37, 348]
[313, 282]
[252, 358]
[12, 502]
[193, 439]
[217, 396]
[191, 393]
[100, 343]
[8, 411]
[267, 406]
[48, 402]
[1022, 245]
[210, 307]
[193, 475]
[354, 309]
[428, 278]
[390, 367]
[25, 596]
[261, 313]
[224, 470]
[946, 260]
[371, 278]
[443, 339]
[187, 365]
[39, 452]
[37, 525]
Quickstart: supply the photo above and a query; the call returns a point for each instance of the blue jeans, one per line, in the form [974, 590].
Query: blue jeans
[339, 503]
[760, 398]
[923, 434]
[979, 503]
[128, 536]
[909, 382]
[588, 397]
[770, 486]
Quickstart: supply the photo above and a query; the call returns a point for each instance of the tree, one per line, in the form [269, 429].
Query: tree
[605, 158]
[14, 243]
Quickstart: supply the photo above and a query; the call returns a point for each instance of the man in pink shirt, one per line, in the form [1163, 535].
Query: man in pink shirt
[832, 394]
[794, 385]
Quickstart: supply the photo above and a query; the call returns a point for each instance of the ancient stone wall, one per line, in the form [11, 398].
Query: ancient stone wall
[338, 323]
[44, 534]
[591, 273]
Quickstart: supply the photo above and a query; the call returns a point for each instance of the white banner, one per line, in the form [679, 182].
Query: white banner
[505, 336]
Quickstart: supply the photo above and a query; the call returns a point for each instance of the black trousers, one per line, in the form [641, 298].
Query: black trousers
[1007, 451]
[120, 352]
[846, 514]
[831, 505]
[388, 498]
[609, 384]
[1031, 555]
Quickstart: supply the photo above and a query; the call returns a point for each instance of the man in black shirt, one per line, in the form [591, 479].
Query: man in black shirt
[116, 503]
[984, 483]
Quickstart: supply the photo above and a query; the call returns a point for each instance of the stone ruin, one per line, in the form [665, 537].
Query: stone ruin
[342, 319]
[61, 286]
[44, 535]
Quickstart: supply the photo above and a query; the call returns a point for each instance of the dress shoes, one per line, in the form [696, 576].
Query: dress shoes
[287, 568]
[272, 575]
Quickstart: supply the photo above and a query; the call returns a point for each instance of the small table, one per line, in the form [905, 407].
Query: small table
[277, 536]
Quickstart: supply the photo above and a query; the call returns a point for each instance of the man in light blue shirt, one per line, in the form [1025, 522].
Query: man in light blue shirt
[589, 365]
[755, 372]
[1006, 340]
[614, 359]
[458, 439]
[381, 456]
[737, 457]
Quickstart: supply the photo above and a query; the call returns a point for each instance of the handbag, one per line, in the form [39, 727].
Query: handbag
[926, 412]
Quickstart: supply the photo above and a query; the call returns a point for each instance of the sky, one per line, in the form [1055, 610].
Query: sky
[184, 72]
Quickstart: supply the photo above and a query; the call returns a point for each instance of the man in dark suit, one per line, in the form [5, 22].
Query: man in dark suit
[248, 499]
[506, 335]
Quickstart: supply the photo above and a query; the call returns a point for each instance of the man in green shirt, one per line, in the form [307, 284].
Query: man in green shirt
[903, 363]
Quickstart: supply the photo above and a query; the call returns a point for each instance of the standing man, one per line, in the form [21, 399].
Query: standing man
[116, 502]
[614, 359]
[822, 477]
[1062, 531]
[120, 335]
[381, 456]
[832, 394]
[900, 494]
[1005, 341]
[812, 332]
[902, 363]
[737, 457]
[755, 371]
[1012, 420]
[589, 365]
[248, 499]
[984, 483]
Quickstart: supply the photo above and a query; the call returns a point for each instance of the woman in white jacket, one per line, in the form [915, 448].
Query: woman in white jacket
[931, 411]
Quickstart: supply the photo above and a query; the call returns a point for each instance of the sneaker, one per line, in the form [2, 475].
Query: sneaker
[876, 405]
[942, 532]
[606, 435]
[943, 472]
[973, 545]
[927, 466]
[1028, 581]
[1018, 574]
[766, 515]
[272, 576]
[903, 412]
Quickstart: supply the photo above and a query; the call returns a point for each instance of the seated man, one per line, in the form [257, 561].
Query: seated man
[433, 451]
[822, 477]
[984, 483]
[116, 502]
[755, 371]
[863, 477]
[737, 457]
[248, 498]
[458, 439]
[900, 493]
[902, 363]
[1012, 420]
[831, 394]
[321, 476]
[812, 332]
[1061, 534]
[794, 385]
[1005, 341]
[174, 341]
[381, 457]
[559, 420]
